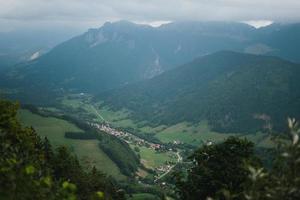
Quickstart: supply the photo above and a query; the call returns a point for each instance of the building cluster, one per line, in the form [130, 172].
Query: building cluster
[127, 137]
[177, 142]
[133, 139]
[163, 168]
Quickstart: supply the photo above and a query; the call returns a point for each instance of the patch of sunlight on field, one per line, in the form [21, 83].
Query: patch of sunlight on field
[87, 151]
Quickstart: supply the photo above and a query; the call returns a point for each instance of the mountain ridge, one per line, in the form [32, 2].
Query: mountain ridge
[121, 53]
[231, 90]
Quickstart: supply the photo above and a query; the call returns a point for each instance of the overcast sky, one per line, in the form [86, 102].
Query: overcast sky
[84, 14]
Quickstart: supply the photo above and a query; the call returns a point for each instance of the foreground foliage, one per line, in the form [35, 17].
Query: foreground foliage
[31, 169]
[218, 168]
[230, 170]
[283, 180]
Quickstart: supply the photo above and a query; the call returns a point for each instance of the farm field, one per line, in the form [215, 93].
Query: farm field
[152, 159]
[190, 133]
[87, 151]
[194, 134]
[197, 134]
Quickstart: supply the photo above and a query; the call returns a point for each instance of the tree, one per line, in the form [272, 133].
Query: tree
[283, 180]
[219, 170]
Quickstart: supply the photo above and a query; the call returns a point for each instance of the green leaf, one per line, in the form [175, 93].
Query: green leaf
[29, 169]
[100, 195]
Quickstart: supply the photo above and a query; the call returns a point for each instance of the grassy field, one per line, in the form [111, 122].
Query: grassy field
[78, 105]
[199, 133]
[191, 134]
[194, 134]
[118, 118]
[184, 132]
[81, 103]
[86, 150]
[151, 159]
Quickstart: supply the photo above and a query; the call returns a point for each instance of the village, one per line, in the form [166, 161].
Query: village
[134, 140]
[127, 137]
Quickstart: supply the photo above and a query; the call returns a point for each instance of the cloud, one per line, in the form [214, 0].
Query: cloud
[92, 13]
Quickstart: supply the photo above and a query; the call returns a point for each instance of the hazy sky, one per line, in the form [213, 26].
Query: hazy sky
[83, 14]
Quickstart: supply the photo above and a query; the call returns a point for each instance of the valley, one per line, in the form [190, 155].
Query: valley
[158, 160]
[159, 147]
[156, 157]
[184, 110]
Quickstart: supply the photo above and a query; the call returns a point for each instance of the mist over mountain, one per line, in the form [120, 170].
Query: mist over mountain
[235, 92]
[122, 52]
[281, 40]
[25, 45]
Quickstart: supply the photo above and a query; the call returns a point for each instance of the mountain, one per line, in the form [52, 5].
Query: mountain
[235, 92]
[25, 45]
[281, 40]
[120, 53]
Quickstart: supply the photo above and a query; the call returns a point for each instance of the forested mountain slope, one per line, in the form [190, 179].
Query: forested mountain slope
[235, 92]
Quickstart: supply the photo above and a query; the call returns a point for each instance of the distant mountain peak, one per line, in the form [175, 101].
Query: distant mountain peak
[123, 24]
[114, 31]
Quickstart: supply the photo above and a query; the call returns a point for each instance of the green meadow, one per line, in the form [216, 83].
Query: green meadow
[87, 151]
[194, 134]
[152, 159]
[185, 132]
[190, 133]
